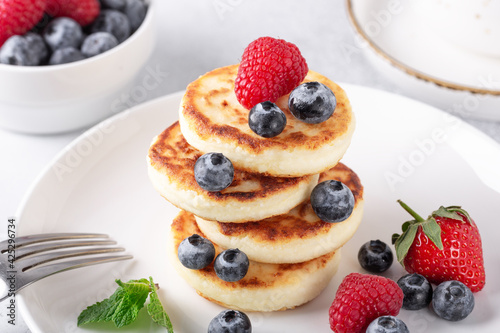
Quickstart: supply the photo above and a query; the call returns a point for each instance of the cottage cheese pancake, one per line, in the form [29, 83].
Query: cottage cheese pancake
[266, 287]
[296, 236]
[212, 119]
[250, 197]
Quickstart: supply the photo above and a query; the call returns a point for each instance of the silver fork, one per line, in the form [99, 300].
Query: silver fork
[21, 263]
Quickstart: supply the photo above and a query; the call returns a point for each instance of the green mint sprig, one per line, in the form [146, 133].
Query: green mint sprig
[122, 308]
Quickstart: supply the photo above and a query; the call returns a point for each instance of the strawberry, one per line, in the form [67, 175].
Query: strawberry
[269, 69]
[82, 11]
[447, 246]
[360, 299]
[18, 16]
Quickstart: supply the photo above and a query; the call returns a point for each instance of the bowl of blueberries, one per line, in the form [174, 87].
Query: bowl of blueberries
[64, 63]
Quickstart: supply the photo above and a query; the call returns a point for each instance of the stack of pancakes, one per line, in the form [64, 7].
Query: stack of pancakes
[266, 211]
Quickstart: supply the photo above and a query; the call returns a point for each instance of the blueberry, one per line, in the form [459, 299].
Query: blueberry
[312, 102]
[332, 201]
[231, 265]
[452, 300]
[63, 32]
[28, 50]
[266, 119]
[114, 22]
[230, 321]
[213, 172]
[38, 50]
[375, 256]
[417, 291]
[136, 12]
[387, 324]
[66, 55]
[114, 4]
[196, 252]
[97, 43]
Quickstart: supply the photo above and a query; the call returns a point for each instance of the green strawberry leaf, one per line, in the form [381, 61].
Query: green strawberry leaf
[405, 225]
[394, 238]
[432, 230]
[156, 310]
[404, 242]
[447, 213]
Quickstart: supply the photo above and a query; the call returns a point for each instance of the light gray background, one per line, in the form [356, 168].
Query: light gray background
[194, 37]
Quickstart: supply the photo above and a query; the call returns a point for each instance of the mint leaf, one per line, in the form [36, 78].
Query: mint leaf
[136, 293]
[156, 310]
[122, 307]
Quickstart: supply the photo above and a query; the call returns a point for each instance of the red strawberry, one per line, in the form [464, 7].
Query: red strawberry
[269, 69]
[446, 246]
[82, 11]
[18, 16]
[360, 299]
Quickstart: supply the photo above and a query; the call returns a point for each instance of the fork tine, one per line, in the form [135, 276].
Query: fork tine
[44, 271]
[34, 261]
[38, 248]
[26, 240]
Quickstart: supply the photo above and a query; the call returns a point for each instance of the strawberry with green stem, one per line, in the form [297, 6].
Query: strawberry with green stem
[445, 246]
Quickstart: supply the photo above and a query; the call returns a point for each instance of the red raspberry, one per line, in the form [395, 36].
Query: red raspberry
[360, 299]
[269, 69]
[82, 11]
[18, 16]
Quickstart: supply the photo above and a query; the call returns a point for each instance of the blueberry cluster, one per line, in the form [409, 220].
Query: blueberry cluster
[451, 300]
[196, 252]
[61, 40]
[310, 102]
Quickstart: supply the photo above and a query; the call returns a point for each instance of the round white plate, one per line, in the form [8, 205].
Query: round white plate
[402, 149]
[400, 42]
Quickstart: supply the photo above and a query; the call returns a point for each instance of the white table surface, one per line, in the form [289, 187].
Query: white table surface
[193, 38]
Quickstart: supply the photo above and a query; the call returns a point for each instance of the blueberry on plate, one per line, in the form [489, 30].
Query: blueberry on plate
[213, 172]
[375, 256]
[97, 43]
[114, 22]
[312, 102]
[332, 201]
[417, 291]
[196, 252]
[66, 55]
[266, 119]
[63, 32]
[452, 300]
[230, 321]
[231, 265]
[387, 324]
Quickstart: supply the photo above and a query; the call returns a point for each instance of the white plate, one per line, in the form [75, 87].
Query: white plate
[425, 66]
[99, 184]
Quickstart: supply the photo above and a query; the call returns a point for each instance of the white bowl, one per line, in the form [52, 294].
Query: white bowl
[62, 98]
[421, 63]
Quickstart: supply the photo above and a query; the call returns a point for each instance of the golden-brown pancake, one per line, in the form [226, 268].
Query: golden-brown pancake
[212, 119]
[296, 236]
[266, 287]
[251, 196]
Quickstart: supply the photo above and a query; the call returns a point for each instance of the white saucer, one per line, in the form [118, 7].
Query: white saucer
[424, 65]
